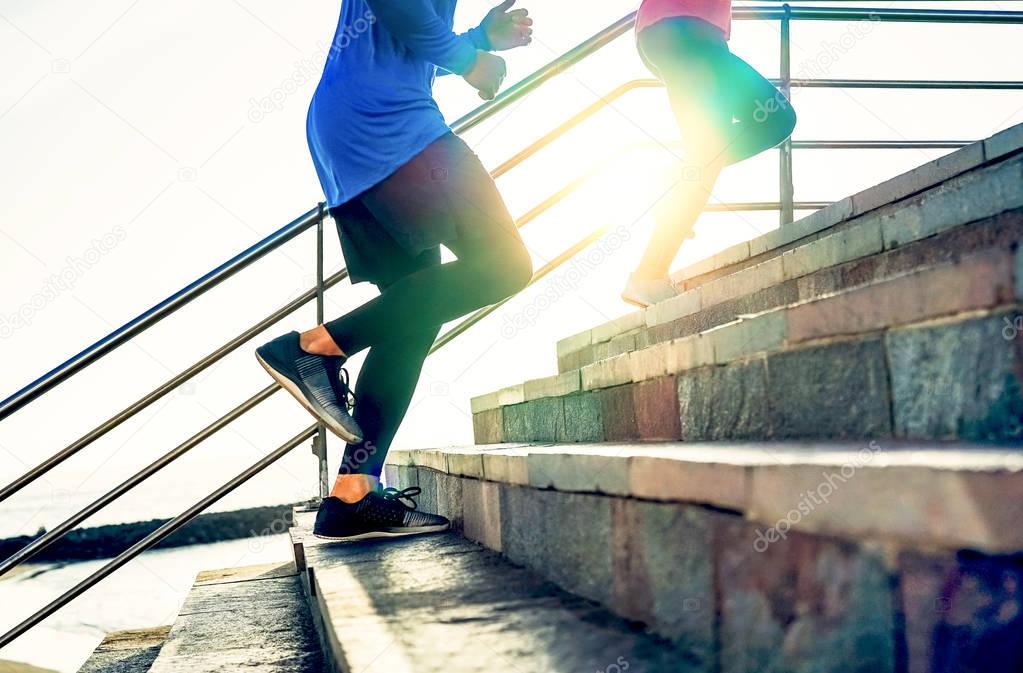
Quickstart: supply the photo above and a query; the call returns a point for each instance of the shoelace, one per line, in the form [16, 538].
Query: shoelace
[394, 495]
[349, 397]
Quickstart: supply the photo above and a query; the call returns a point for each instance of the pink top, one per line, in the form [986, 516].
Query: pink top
[715, 12]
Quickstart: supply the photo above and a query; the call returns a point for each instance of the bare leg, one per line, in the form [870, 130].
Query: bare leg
[319, 342]
[677, 216]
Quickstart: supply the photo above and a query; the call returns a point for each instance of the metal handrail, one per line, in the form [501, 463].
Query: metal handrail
[166, 388]
[147, 319]
[61, 529]
[157, 536]
[66, 526]
[182, 519]
[274, 241]
[150, 317]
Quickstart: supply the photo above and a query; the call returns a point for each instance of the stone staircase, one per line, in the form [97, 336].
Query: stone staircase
[808, 462]
[894, 313]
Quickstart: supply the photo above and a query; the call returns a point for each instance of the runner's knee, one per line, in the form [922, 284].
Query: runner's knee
[504, 271]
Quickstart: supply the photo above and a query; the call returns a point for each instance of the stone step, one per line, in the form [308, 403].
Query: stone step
[933, 354]
[131, 651]
[440, 603]
[788, 557]
[959, 204]
[252, 618]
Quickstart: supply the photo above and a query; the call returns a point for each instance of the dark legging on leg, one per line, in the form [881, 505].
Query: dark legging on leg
[445, 189]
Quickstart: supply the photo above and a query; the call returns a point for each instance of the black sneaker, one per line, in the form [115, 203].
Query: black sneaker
[314, 381]
[382, 513]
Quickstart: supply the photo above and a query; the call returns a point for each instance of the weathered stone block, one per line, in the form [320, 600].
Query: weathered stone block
[684, 304]
[500, 398]
[833, 391]
[433, 459]
[958, 380]
[391, 475]
[584, 421]
[515, 423]
[599, 470]
[1004, 143]
[563, 536]
[764, 332]
[449, 498]
[407, 476]
[657, 413]
[919, 178]
[961, 614]
[717, 484]
[507, 466]
[618, 411]
[742, 282]
[858, 239]
[979, 281]
[625, 323]
[801, 604]
[465, 462]
[813, 223]
[607, 373]
[481, 506]
[724, 402]
[545, 420]
[575, 342]
[427, 481]
[970, 197]
[664, 573]
[552, 386]
[899, 226]
[488, 426]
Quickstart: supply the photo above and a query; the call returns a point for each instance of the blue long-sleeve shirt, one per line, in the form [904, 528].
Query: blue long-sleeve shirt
[374, 109]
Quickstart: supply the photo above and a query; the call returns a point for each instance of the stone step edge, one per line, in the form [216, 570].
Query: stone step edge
[679, 322]
[139, 646]
[997, 147]
[878, 235]
[993, 283]
[970, 497]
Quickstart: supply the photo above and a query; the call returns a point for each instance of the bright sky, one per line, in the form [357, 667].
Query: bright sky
[134, 163]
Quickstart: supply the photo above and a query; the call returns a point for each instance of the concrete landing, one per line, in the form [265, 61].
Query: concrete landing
[127, 651]
[443, 604]
[253, 618]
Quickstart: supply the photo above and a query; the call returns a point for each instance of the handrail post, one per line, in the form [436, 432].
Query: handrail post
[320, 440]
[786, 190]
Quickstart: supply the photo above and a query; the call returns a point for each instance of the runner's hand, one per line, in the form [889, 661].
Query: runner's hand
[507, 30]
[487, 74]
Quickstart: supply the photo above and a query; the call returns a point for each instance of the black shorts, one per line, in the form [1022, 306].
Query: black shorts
[397, 226]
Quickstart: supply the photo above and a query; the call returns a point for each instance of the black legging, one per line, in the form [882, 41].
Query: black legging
[400, 325]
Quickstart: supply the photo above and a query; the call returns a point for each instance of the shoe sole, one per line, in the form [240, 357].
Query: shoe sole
[405, 532]
[635, 302]
[289, 385]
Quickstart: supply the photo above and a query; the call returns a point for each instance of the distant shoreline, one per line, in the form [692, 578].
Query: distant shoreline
[100, 542]
[19, 667]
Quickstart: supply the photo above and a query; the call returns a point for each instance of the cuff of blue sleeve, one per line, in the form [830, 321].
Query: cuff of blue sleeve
[464, 57]
[478, 36]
